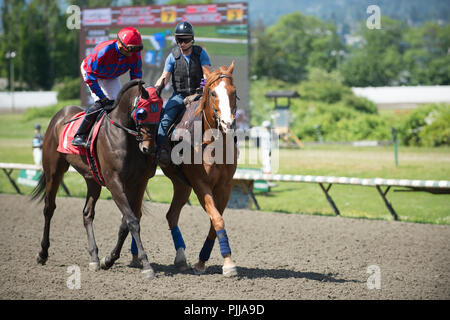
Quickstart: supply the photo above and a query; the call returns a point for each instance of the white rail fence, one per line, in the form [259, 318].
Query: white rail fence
[246, 178]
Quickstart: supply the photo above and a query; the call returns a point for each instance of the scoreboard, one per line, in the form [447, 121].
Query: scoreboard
[220, 29]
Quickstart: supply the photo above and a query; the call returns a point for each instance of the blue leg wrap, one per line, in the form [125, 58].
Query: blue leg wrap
[223, 242]
[205, 253]
[177, 238]
[133, 249]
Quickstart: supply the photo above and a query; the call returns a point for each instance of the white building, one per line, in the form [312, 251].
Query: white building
[404, 97]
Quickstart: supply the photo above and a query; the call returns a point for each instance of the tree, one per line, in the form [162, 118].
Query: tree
[190, 1]
[94, 3]
[379, 60]
[295, 43]
[12, 16]
[426, 57]
[142, 2]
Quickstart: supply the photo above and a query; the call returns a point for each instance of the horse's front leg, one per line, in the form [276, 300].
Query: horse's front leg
[108, 261]
[217, 229]
[180, 197]
[131, 222]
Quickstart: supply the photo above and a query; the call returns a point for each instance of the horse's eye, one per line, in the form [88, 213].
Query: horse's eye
[214, 94]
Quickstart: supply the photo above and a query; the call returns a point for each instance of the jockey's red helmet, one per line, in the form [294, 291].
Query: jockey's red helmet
[130, 38]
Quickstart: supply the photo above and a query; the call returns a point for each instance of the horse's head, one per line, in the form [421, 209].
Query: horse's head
[219, 98]
[146, 117]
[143, 109]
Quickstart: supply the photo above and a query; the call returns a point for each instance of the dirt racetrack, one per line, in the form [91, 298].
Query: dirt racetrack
[280, 256]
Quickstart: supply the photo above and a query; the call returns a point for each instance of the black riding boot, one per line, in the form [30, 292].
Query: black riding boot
[79, 140]
[163, 154]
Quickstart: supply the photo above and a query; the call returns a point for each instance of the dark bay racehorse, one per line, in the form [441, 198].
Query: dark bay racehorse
[211, 179]
[125, 162]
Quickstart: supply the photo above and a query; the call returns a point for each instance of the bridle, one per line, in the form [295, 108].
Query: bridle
[216, 115]
[136, 133]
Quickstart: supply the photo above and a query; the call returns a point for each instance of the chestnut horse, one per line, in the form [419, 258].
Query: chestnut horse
[211, 179]
[126, 161]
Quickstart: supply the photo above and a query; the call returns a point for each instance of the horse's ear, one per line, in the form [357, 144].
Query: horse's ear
[144, 93]
[206, 73]
[231, 67]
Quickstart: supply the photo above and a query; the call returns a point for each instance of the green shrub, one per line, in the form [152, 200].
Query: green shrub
[437, 130]
[363, 127]
[360, 104]
[329, 111]
[315, 121]
[326, 91]
[68, 89]
[427, 125]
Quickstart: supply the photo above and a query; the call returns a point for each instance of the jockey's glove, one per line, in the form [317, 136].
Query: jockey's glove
[106, 102]
[159, 89]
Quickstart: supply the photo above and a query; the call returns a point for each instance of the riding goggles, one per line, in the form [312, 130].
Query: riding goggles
[131, 48]
[184, 40]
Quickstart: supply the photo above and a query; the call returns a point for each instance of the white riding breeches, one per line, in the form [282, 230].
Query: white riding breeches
[110, 87]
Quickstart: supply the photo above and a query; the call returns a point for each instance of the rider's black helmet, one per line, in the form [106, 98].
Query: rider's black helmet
[184, 29]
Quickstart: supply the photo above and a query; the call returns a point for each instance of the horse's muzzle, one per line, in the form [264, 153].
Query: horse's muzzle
[226, 127]
[149, 150]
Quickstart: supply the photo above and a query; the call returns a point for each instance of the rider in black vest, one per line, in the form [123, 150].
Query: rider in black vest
[185, 64]
[187, 77]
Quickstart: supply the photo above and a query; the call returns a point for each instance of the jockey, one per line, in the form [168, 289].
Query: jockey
[185, 64]
[101, 70]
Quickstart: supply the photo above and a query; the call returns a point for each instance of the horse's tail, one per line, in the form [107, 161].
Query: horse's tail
[39, 190]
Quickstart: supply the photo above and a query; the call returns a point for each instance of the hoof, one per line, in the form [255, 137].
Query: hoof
[103, 264]
[182, 266]
[180, 260]
[148, 274]
[229, 271]
[94, 266]
[135, 262]
[198, 271]
[40, 260]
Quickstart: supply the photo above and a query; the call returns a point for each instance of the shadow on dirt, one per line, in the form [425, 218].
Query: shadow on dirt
[258, 273]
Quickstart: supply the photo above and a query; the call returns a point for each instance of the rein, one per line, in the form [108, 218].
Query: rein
[134, 133]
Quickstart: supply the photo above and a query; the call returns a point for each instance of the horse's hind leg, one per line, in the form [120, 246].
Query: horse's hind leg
[181, 194]
[53, 172]
[93, 193]
[205, 252]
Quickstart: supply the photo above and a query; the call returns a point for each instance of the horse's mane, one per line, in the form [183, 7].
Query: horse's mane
[213, 77]
[127, 86]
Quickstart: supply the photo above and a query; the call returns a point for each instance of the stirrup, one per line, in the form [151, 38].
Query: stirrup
[80, 141]
[163, 157]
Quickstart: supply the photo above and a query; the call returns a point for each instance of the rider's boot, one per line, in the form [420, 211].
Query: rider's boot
[163, 155]
[80, 138]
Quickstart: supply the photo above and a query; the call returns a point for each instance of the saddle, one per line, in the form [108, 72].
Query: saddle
[67, 135]
[185, 120]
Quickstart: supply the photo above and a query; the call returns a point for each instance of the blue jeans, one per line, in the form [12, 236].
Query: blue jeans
[168, 116]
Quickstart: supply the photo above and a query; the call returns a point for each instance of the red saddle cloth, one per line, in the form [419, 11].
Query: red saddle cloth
[65, 144]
